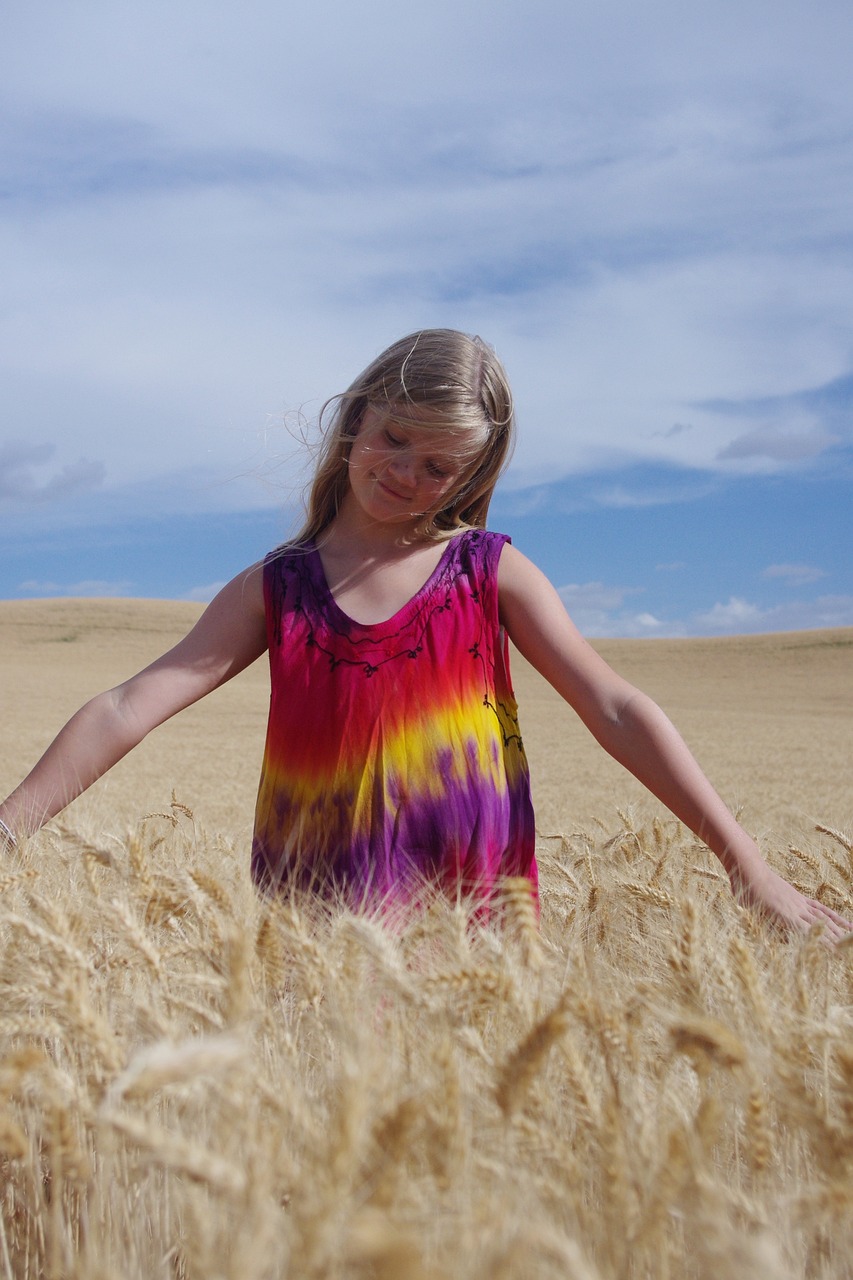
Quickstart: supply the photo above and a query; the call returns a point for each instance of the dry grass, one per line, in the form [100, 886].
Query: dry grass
[198, 1083]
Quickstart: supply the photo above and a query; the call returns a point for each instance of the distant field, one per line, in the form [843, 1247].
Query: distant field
[769, 717]
[648, 1084]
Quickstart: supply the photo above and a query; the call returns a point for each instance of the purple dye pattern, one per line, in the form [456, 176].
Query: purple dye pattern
[393, 754]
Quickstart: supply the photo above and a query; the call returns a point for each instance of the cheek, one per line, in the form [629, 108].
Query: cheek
[376, 461]
[441, 492]
[364, 456]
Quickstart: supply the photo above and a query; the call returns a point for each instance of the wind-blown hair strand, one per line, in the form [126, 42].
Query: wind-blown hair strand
[459, 381]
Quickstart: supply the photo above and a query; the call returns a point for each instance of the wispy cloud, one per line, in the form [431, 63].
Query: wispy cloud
[793, 428]
[204, 594]
[60, 160]
[598, 610]
[833, 400]
[595, 596]
[738, 615]
[202, 232]
[795, 575]
[775, 444]
[21, 482]
[734, 615]
[188, 249]
[678, 489]
[93, 587]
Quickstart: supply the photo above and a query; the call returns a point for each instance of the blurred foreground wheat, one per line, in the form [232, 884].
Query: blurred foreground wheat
[197, 1083]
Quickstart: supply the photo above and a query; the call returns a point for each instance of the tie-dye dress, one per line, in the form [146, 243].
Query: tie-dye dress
[393, 755]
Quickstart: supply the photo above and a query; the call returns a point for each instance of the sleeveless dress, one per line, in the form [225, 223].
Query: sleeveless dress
[393, 756]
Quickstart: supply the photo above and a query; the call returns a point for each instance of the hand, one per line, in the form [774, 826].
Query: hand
[784, 905]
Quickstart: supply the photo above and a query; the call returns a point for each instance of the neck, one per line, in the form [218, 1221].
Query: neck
[362, 537]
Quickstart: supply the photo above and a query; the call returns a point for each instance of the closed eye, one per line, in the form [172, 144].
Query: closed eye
[393, 440]
[437, 472]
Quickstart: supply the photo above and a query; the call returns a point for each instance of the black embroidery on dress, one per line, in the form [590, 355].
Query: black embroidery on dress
[294, 578]
[437, 593]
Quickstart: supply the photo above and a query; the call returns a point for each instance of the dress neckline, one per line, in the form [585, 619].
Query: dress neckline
[405, 609]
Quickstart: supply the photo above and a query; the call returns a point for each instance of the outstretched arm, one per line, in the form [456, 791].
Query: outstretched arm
[634, 730]
[229, 635]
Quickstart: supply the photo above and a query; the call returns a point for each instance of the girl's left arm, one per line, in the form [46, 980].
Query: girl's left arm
[634, 730]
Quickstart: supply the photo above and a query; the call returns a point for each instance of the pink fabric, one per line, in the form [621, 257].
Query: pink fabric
[393, 755]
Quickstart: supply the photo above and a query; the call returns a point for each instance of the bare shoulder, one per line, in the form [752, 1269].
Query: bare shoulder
[245, 591]
[230, 633]
[516, 573]
[536, 621]
[236, 614]
[524, 591]
[228, 637]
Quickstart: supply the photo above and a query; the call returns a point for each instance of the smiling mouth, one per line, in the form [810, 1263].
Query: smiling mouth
[400, 497]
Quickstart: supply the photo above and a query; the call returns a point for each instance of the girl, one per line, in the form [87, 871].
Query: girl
[393, 754]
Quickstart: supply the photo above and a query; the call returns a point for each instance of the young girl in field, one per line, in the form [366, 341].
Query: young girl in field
[393, 754]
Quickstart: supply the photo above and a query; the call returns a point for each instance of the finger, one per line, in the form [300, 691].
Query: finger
[834, 930]
[832, 915]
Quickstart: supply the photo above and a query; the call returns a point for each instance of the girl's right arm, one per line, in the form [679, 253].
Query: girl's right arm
[230, 634]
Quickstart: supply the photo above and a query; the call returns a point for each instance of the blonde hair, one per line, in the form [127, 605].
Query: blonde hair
[462, 383]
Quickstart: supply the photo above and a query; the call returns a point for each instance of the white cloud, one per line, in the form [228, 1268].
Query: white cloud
[735, 615]
[598, 610]
[215, 214]
[20, 481]
[739, 615]
[96, 588]
[796, 575]
[594, 596]
[204, 594]
[649, 494]
[778, 445]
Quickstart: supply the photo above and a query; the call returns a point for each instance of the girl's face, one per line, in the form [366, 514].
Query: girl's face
[402, 468]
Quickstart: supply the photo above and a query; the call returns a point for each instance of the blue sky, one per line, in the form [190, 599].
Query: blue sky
[212, 216]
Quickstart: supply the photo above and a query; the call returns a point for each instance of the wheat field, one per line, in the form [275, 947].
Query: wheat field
[196, 1082]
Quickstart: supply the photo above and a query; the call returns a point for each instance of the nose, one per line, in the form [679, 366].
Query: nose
[402, 467]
